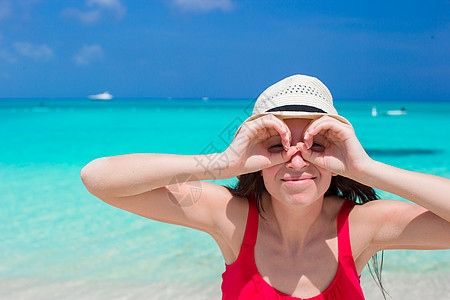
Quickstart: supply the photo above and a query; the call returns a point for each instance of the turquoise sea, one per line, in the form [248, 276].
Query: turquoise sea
[57, 240]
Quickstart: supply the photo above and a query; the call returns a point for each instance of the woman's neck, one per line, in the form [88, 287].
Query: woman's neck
[295, 225]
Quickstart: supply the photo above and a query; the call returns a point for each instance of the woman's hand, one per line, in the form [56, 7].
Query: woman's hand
[251, 150]
[341, 153]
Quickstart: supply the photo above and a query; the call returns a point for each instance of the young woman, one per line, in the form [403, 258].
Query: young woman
[290, 229]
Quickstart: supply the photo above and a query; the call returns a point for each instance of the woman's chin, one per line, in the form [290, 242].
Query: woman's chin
[299, 199]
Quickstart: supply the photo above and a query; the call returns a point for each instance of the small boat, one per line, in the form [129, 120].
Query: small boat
[396, 112]
[399, 112]
[102, 96]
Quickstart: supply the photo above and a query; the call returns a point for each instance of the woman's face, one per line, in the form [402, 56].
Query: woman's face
[296, 181]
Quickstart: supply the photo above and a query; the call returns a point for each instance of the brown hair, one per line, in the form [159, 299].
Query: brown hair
[340, 186]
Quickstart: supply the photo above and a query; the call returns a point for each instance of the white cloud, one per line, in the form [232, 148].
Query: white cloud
[5, 9]
[99, 9]
[37, 52]
[88, 54]
[204, 5]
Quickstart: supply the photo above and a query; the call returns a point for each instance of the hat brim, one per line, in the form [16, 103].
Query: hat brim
[293, 115]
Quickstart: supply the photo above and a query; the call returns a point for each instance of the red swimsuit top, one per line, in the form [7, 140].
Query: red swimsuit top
[242, 281]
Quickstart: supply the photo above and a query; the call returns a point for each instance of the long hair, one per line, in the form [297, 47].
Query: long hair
[340, 186]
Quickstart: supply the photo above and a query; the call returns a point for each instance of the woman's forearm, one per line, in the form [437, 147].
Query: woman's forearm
[429, 191]
[132, 174]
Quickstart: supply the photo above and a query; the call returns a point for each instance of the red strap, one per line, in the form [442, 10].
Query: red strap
[344, 246]
[251, 229]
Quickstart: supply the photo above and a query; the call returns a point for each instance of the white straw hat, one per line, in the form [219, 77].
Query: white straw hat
[297, 96]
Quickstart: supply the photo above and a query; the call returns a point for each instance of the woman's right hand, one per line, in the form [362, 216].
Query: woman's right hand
[261, 143]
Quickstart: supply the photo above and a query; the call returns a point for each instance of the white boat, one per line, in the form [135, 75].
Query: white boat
[400, 112]
[395, 112]
[103, 96]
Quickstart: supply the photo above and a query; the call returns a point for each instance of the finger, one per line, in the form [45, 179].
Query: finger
[273, 125]
[325, 124]
[283, 131]
[264, 123]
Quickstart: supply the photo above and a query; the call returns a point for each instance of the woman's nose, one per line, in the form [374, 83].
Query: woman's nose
[297, 162]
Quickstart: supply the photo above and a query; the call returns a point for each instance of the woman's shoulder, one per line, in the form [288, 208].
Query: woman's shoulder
[369, 210]
[381, 209]
[358, 212]
[224, 198]
[231, 218]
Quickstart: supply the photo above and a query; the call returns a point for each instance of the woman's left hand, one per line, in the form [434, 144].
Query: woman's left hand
[342, 153]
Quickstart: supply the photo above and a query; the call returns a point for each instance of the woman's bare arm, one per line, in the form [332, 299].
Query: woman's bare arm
[162, 187]
[133, 174]
[429, 191]
[401, 225]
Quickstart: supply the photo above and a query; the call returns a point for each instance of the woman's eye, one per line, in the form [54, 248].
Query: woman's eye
[276, 148]
[316, 147]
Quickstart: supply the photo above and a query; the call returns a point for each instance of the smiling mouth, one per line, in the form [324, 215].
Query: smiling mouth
[298, 180]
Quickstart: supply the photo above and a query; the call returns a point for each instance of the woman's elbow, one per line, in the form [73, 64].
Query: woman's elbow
[91, 175]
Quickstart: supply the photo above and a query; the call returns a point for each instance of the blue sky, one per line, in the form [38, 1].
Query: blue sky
[370, 50]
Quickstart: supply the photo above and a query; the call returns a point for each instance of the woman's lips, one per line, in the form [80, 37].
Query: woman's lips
[298, 181]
